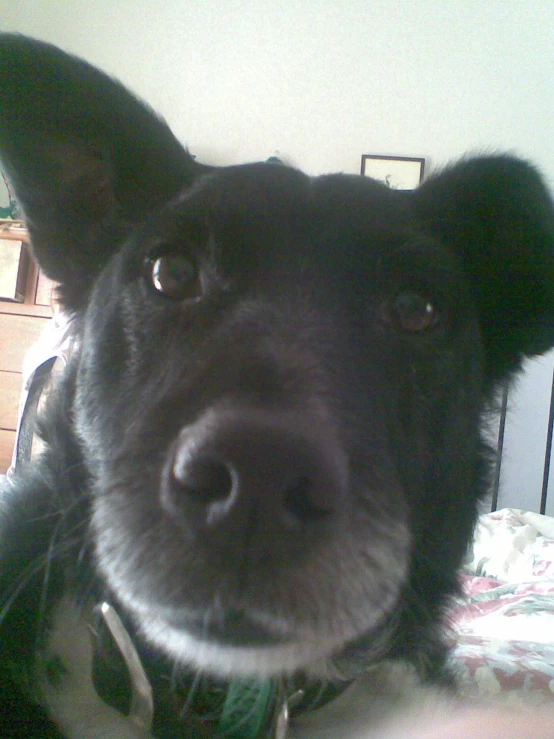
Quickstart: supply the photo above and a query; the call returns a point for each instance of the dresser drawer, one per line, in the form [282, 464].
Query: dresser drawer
[10, 393]
[17, 334]
[7, 440]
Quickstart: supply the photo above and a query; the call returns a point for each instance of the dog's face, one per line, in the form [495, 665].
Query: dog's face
[281, 378]
[256, 504]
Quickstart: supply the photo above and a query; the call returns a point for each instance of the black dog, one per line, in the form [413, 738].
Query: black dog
[266, 455]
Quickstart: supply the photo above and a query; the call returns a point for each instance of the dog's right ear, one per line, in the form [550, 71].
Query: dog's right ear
[85, 158]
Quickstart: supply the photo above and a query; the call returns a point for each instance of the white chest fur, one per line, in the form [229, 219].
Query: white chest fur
[71, 699]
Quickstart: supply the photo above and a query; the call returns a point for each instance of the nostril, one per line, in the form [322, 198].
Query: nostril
[206, 480]
[299, 502]
[256, 476]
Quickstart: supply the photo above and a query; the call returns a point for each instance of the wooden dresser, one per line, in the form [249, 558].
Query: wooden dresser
[23, 317]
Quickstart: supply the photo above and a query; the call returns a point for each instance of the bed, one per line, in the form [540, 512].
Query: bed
[503, 623]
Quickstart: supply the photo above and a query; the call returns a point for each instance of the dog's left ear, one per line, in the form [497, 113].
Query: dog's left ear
[86, 159]
[497, 215]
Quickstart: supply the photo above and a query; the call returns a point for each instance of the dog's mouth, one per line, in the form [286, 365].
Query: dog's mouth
[231, 629]
[281, 623]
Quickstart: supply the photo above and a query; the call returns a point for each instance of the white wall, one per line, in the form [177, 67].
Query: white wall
[324, 81]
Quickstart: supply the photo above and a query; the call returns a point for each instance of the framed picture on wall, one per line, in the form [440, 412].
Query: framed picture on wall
[398, 173]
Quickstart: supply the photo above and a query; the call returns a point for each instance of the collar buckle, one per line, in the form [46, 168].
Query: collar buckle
[282, 715]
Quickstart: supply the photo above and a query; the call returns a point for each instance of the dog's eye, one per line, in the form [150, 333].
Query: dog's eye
[413, 312]
[174, 276]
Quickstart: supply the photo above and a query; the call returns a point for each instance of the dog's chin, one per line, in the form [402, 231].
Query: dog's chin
[253, 644]
[232, 629]
[246, 651]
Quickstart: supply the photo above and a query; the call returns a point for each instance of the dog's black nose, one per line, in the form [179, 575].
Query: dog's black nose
[261, 479]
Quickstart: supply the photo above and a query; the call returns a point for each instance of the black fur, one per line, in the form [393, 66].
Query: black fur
[339, 344]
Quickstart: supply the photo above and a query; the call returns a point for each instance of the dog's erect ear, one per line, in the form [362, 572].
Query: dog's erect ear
[85, 158]
[498, 216]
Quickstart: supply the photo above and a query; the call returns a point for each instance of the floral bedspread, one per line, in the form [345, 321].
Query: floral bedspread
[504, 624]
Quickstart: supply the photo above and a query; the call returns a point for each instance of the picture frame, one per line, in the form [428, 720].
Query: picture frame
[398, 173]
